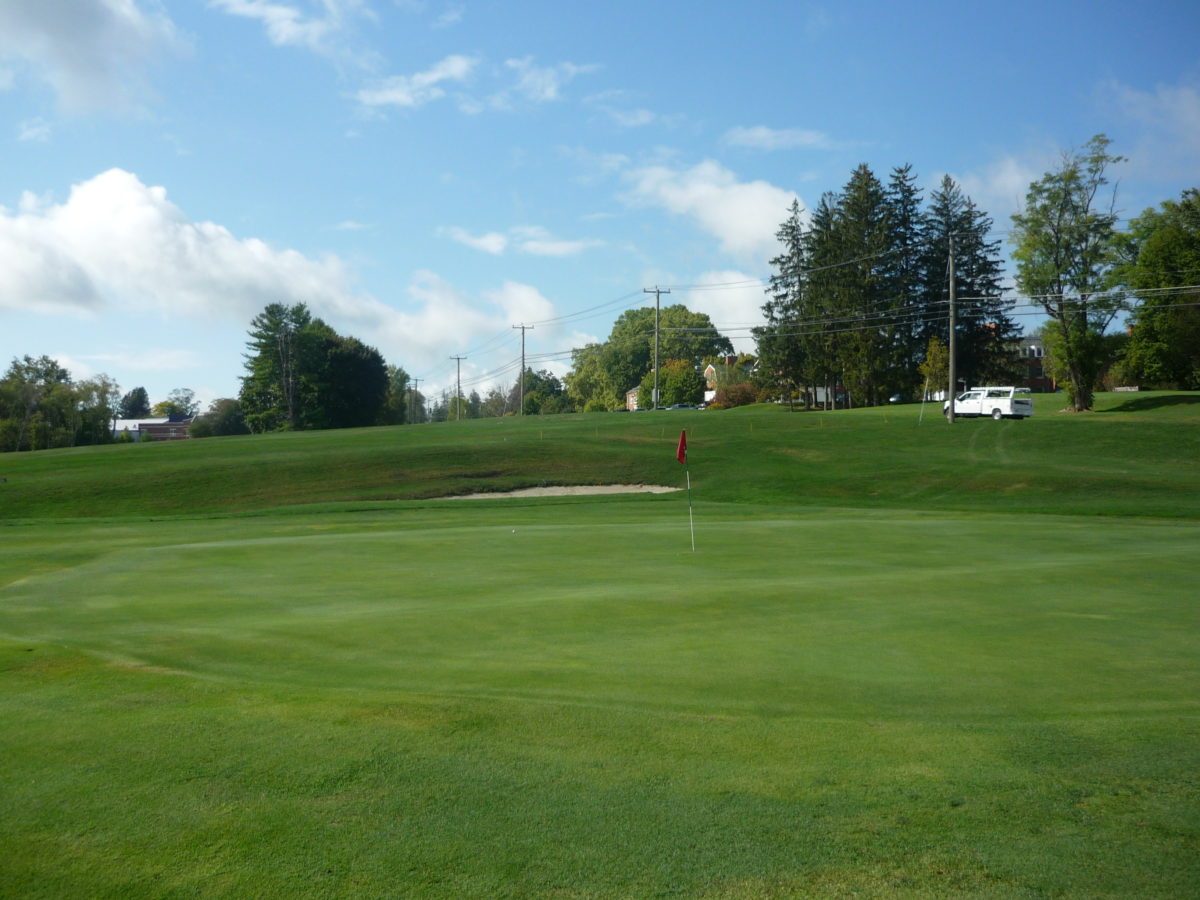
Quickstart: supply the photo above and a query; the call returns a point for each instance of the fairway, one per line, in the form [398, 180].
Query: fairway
[554, 697]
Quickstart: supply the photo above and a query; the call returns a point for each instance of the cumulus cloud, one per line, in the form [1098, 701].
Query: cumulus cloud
[742, 215]
[733, 301]
[120, 248]
[521, 302]
[531, 239]
[91, 52]
[1000, 188]
[762, 138]
[118, 242]
[411, 91]
[492, 242]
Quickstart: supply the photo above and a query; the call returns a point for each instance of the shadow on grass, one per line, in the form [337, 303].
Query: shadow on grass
[1145, 404]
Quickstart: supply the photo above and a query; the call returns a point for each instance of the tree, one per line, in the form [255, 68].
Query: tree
[935, 368]
[985, 332]
[678, 382]
[494, 404]
[396, 404]
[303, 374]
[223, 417]
[135, 404]
[35, 405]
[1064, 245]
[181, 402]
[783, 343]
[606, 371]
[96, 404]
[271, 386]
[544, 394]
[1162, 266]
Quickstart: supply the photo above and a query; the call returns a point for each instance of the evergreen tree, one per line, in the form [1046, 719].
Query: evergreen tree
[782, 342]
[985, 332]
[135, 404]
[861, 285]
[903, 272]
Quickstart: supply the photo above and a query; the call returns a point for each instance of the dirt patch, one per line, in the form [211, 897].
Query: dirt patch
[571, 490]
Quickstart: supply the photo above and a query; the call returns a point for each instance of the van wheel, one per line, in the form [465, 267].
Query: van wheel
[997, 415]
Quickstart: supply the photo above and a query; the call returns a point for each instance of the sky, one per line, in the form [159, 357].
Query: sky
[426, 175]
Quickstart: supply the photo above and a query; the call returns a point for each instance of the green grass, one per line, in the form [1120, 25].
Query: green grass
[275, 667]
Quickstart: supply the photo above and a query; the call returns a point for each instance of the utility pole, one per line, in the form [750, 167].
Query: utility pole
[656, 292]
[412, 400]
[521, 377]
[458, 388]
[953, 343]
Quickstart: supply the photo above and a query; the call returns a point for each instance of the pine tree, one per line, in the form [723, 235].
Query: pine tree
[985, 332]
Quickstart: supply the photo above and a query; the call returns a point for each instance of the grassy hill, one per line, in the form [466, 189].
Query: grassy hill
[1134, 456]
[906, 660]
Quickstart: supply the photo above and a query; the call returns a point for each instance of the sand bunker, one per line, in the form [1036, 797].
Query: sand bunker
[573, 490]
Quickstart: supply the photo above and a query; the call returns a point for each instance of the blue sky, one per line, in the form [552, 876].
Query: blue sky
[427, 174]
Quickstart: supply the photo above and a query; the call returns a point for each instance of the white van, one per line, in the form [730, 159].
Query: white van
[997, 402]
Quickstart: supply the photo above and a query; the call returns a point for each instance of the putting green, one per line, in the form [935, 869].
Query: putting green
[558, 698]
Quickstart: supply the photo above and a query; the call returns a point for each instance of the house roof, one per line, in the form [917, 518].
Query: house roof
[135, 424]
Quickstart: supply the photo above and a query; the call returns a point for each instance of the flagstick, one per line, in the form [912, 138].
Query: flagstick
[691, 520]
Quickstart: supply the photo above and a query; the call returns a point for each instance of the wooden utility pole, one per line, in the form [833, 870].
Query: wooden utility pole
[953, 342]
[412, 399]
[656, 292]
[458, 388]
[521, 377]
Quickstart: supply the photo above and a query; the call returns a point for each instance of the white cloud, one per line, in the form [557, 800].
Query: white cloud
[493, 242]
[521, 303]
[631, 118]
[999, 190]
[411, 91]
[141, 359]
[36, 129]
[286, 25]
[350, 225]
[762, 138]
[537, 241]
[117, 247]
[452, 15]
[91, 52]
[1166, 121]
[537, 84]
[742, 215]
[531, 239]
[118, 243]
[733, 301]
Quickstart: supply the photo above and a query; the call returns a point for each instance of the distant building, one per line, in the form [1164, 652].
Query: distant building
[161, 428]
[1031, 355]
[631, 399]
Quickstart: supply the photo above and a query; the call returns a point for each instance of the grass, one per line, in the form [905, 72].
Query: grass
[914, 680]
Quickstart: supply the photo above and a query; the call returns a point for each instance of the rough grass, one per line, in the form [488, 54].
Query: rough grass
[859, 686]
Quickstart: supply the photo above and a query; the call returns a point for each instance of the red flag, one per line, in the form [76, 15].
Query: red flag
[681, 453]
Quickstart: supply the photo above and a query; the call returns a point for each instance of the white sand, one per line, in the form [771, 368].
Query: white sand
[571, 491]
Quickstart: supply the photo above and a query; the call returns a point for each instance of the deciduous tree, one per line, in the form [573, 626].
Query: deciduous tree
[1064, 244]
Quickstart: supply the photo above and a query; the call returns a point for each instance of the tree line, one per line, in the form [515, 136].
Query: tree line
[857, 296]
[857, 302]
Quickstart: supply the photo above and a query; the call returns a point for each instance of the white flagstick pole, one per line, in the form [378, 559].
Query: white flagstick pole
[691, 519]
